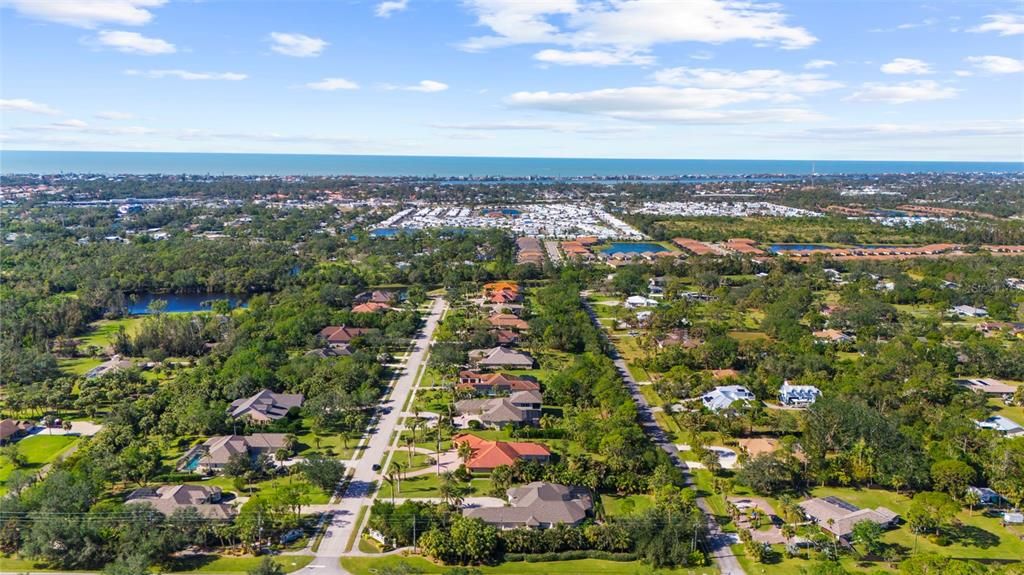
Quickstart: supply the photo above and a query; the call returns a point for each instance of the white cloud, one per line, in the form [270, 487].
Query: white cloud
[25, 105]
[70, 124]
[909, 66]
[818, 64]
[662, 103]
[903, 93]
[903, 131]
[388, 7]
[88, 13]
[426, 86]
[298, 45]
[520, 125]
[702, 55]
[332, 84]
[134, 43]
[963, 73]
[997, 64]
[632, 25]
[114, 115]
[1002, 24]
[760, 80]
[187, 75]
[598, 58]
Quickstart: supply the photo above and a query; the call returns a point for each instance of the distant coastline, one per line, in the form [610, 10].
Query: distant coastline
[217, 164]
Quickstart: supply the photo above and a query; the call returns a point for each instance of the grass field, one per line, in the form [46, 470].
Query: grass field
[373, 565]
[38, 451]
[103, 331]
[79, 365]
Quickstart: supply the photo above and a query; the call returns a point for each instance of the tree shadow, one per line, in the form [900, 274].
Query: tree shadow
[971, 536]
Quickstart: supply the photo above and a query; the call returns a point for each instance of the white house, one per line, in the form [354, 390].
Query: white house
[1001, 424]
[635, 301]
[724, 396]
[798, 395]
[968, 311]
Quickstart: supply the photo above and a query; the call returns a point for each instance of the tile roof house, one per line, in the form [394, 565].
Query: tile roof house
[505, 336]
[500, 356]
[537, 505]
[265, 406]
[488, 455]
[508, 321]
[487, 383]
[724, 396]
[215, 452]
[338, 334]
[370, 307]
[376, 296]
[798, 395]
[521, 408]
[170, 498]
[838, 516]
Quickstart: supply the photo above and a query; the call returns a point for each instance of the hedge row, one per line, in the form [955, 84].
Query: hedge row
[570, 556]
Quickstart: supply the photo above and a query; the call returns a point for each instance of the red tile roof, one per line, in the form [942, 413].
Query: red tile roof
[490, 454]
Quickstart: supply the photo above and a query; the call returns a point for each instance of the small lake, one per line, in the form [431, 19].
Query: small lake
[631, 248]
[181, 302]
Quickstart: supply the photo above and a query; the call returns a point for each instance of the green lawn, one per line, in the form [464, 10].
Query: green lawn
[269, 487]
[104, 331]
[79, 365]
[428, 486]
[620, 505]
[211, 564]
[373, 565]
[38, 451]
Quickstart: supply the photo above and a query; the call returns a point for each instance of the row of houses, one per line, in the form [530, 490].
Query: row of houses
[724, 397]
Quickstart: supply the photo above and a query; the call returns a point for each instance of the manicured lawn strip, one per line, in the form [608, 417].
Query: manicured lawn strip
[79, 365]
[38, 450]
[429, 486]
[232, 565]
[621, 505]
[104, 331]
[372, 565]
[268, 488]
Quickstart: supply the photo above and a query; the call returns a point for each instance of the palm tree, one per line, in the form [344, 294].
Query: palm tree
[410, 442]
[390, 479]
[396, 469]
[465, 452]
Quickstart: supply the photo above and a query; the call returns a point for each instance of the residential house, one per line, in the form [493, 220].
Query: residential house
[508, 321]
[170, 498]
[501, 357]
[798, 395]
[637, 301]
[265, 406]
[680, 337]
[832, 336]
[341, 334]
[967, 311]
[376, 296]
[215, 452]
[1003, 425]
[506, 337]
[491, 383]
[838, 517]
[538, 505]
[338, 350]
[723, 396]
[488, 455]
[988, 386]
[986, 496]
[520, 408]
[370, 307]
[11, 429]
[110, 366]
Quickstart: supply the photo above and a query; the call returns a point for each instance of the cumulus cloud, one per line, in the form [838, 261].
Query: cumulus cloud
[903, 93]
[760, 80]
[426, 86]
[1002, 24]
[187, 75]
[997, 64]
[134, 43]
[907, 66]
[663, 103]
[389, 7]
[25, 105]
[599, 58]
[88, 13]
[333, 84]
[818, 64]
[297, 45]
[631, 26]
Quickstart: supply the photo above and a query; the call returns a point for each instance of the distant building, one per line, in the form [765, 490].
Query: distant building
[723, 396]
[832, 336]
[838, 517]
[635, 301]
[113, 364]
[968, 311]
[1001, 424]
[508, 321]
[376, 296]
[988, 386]
[798, 395]
[170, 498]
[488, 455]
[538, 505]
[501, 357]
[265, 406]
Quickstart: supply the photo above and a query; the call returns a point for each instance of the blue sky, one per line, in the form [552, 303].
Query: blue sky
[809, 79]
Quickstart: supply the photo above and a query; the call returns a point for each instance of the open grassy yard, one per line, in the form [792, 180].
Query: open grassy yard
[230, 565]
[429, 486]
[104, 331]
[38, 450]
[79, 365]
[268, 487]
[371, 565]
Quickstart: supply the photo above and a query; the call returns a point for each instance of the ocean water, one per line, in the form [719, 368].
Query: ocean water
[34, 162]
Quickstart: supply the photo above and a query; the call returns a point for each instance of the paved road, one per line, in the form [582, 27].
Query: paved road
[360, 489]
[553, 254]
[718, 542]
